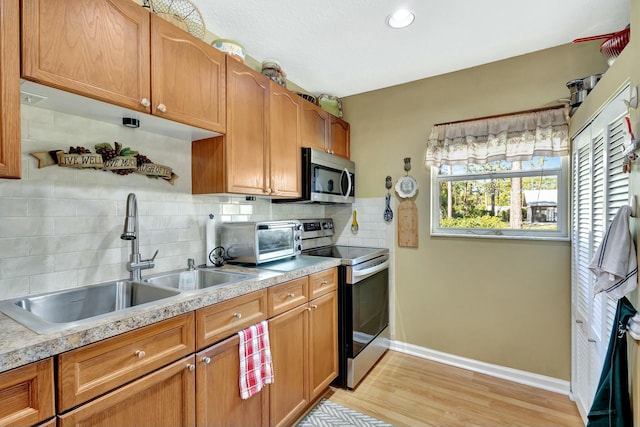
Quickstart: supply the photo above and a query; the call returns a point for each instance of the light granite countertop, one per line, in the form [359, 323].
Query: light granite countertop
[20, 345]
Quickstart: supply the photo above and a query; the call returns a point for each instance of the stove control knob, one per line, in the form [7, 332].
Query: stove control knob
[299, 247]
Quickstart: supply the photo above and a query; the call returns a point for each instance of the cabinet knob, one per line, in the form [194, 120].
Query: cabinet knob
[290, 295]
[162, 108]
[308, 308]
[191, 367]
[140, 354]
[237, 315]
[314, 306]
[206, 360]
[324, 282]
[145, 102]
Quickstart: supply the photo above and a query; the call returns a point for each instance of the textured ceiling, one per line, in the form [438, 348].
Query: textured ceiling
[343, 47]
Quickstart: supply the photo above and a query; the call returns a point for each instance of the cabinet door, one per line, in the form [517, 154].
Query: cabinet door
[218, 392]
[95, 48]
[315, 127]
[165, 397]
[289, 393]
[340, 134]
[10, 163]
[323, 342]
[188, 78]
[94, 369]
[26, 394]
[284, 142]
[247, 130]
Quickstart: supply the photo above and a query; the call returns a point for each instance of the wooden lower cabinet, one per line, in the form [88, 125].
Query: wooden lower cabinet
[289, 339]
[304, 347]
[26, 394]
[218, 401]
[165, 397]
[323, 343]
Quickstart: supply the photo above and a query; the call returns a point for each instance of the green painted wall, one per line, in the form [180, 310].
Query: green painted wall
[505, 302]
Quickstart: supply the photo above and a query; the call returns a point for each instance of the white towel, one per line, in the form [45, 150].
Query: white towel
[614, 263]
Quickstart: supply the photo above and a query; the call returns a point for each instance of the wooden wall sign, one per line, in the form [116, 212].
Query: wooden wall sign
[119, 160]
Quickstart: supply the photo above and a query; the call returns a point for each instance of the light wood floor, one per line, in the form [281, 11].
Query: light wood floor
[405, 390]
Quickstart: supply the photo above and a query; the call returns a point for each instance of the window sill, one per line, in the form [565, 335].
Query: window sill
[488, 235]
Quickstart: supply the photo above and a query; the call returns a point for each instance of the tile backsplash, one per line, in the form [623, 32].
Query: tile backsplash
[60, 227]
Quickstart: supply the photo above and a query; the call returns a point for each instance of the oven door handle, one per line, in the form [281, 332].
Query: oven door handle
[359, 274]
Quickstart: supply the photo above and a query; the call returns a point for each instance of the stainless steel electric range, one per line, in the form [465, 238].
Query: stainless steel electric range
[363, 299]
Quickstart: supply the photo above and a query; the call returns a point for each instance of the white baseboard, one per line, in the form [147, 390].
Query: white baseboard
[522, 377]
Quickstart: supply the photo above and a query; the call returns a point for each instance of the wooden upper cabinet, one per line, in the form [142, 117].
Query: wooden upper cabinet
[247, 130]
[324, 131]
[284, 142]
[188, 78]
[118, 52]
[26, 393]
[10, 157]
[340, 134]
[95, 48]
[315, 127]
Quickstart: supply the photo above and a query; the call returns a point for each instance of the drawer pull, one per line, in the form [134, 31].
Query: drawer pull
[206, 360]
[324, 282]
[191, 367]
[237, 315]
[290, 295]
[140, 354]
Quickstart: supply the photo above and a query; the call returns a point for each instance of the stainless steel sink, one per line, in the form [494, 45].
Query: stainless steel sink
[189, 280]
[63, 309]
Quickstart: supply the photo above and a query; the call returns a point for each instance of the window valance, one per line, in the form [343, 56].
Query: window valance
[513, 137]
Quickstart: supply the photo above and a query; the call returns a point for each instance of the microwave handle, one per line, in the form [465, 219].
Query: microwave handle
[346, 195]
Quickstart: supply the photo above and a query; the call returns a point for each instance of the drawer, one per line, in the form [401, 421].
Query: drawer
[323, 282]
[26, 394]
[287, 295]
[224, 319]
[97, 368]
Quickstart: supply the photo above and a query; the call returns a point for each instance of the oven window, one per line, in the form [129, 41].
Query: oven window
[275, 240]
[370, 305]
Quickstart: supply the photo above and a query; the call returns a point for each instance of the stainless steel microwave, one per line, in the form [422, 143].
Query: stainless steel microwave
[258, 242]
[326, 179]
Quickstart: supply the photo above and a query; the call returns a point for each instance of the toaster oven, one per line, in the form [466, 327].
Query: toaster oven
[259, 242]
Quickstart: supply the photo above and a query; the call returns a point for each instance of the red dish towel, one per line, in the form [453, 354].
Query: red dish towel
[256, 368]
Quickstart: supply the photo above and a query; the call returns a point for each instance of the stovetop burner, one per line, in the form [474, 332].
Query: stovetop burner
[317, 239]
[350, 255]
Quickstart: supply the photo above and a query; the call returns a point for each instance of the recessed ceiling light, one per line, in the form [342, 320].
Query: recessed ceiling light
[401, 18]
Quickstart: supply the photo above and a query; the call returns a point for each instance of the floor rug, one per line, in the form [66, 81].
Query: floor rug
[329, 414]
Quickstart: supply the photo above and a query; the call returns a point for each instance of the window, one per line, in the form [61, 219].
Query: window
[501, 198]
[501, 177]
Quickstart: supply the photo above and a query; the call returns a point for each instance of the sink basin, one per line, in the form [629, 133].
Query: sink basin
[188, 280]
[60, 310]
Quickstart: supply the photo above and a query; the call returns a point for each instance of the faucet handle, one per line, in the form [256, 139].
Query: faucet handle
[154, 256]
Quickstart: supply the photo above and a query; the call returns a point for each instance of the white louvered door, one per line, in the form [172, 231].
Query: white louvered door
[599, 189]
